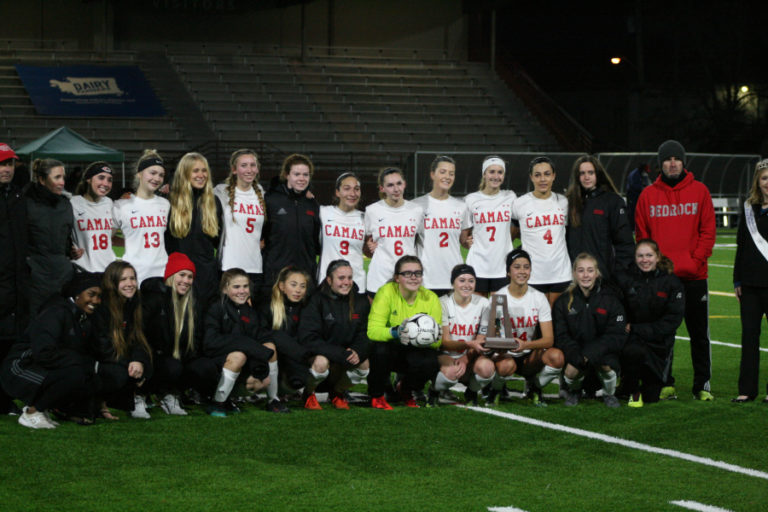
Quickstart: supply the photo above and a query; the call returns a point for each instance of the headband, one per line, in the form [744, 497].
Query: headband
[493, 161]
[460, 270]
[149, 162]
[97, 169]
[344, 176]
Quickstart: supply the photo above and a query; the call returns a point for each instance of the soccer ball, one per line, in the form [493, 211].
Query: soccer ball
[420, 330]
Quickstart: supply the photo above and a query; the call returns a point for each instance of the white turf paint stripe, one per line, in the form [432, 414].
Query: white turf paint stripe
[724, 344]
[624, 442]
[722, 294]
[720, 265]
[725, 246]
[505, 509]
[694, 505]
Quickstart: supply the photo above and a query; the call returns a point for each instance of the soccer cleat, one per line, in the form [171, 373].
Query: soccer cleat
[339, 402]
[668, 393]
[636, 400]
[492, 399]
[277, 405]
[471, 398]
[139, 408]
[704, 396]
[449, 396]
[379, 402]
[231, 407]
[611, 401]
[572, 398]
[411, 402]
[311, 403]
[433, 397]
[36, 420]
[170, 405]
[217, 409]
[535, 395]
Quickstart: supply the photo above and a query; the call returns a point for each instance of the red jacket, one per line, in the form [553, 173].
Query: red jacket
[681, 219]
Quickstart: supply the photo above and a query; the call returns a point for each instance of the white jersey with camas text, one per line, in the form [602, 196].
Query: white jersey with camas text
[94, 226]
[525, 314]
[542, 232]
[438, 246]
[394, 230]
[464, 323]
[143, 223]
[241, 238]
[490, 217]
[342, 236]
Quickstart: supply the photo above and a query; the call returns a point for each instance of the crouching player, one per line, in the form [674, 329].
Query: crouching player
[395, 302]
[465, 322]
[233, 345]
[531, 320]
[332, 329]
[590, 330]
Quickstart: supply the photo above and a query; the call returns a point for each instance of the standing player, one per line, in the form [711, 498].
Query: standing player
[143, 218]
[93, 218]
[465, 323]
[541, 216]
[531, 319]
[445, 224]
[242, 200]
[490, 239]
[677, 212]
[343, 229]
[391, 225]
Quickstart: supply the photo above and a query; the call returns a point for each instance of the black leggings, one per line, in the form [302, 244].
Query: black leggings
[418, 365]
[70, 389]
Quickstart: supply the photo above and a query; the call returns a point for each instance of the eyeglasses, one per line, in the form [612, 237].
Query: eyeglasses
[411, 273]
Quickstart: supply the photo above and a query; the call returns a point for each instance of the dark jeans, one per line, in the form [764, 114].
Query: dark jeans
[697, 323]
[753, 306]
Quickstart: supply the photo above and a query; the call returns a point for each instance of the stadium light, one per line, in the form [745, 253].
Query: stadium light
[615, 61]
[744, 89]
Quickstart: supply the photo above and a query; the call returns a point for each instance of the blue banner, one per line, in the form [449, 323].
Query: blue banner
[120, 91]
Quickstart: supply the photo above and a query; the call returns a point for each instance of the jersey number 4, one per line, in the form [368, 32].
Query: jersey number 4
[548, 237]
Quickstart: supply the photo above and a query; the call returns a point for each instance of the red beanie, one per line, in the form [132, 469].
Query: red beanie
[176, 263]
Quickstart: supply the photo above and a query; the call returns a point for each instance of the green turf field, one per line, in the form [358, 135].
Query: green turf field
[444, 459]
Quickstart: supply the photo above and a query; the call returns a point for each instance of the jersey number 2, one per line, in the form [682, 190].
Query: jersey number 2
[443, 239]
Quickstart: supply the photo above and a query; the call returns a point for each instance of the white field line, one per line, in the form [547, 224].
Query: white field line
[722, 294]
[720, 265]
[706, 461]
[505, 509]
[725, 246]
[694, 505]
[722, 343]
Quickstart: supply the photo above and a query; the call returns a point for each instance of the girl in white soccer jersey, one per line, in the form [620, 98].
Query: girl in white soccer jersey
[465, 323]
[343, 229]
[242, 200]
[531, 320]
[444, 225]
[94, 224]
[541, 216]
[143, 218]
[391, 226]
[490, 209]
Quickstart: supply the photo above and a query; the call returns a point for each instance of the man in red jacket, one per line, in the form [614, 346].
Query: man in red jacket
[677, 212]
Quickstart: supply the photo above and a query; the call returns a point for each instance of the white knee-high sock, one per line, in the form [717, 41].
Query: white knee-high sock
[609, 382]
[547, 375]
[226, 383]
[573, 384]
[357, 376]
[316, 378]
[274, 379]
[477, 383]
[442, 382]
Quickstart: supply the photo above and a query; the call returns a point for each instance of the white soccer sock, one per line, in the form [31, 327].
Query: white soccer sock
[357, 376]
[226, 383]
[547, 375]
[442, 382]
[273, 381]
[573, 384]
[477, 383]
[316, 378]
[609, 382]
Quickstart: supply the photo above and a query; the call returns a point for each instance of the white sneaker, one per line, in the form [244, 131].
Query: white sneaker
[51, 420]
[140, 408]
[36, 420]
[170, 404]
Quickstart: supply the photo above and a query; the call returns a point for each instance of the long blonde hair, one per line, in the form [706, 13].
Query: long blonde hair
[181, 199]
[573, 285]
[755, 194]
[277, 305]
[183, 311]
[146, 155]
[231, 181]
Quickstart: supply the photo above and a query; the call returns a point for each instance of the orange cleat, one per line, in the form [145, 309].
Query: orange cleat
[339, 402]
[379, 402]
[312, 404]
